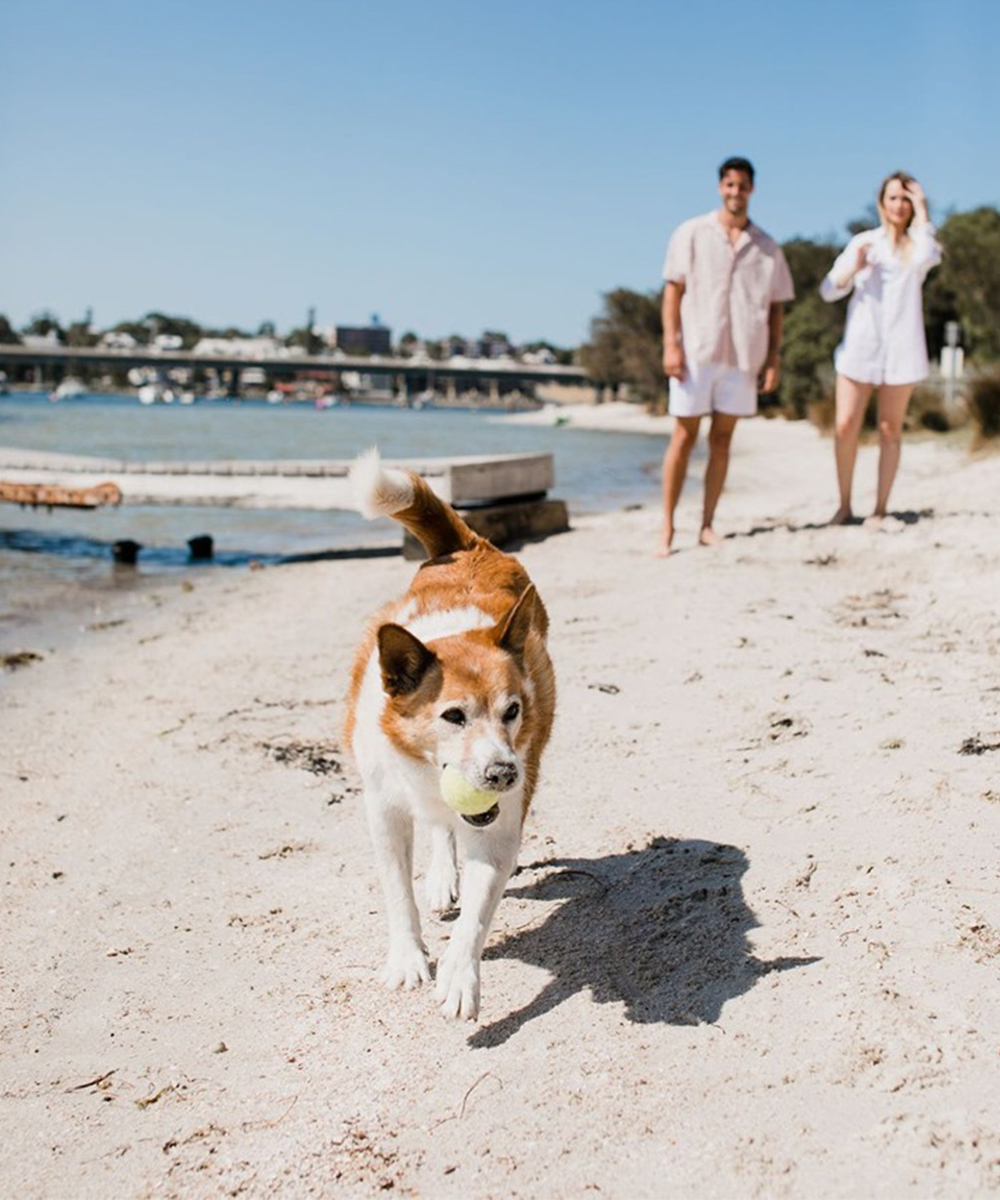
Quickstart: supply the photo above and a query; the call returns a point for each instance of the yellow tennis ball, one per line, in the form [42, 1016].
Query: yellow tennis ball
[459, 794]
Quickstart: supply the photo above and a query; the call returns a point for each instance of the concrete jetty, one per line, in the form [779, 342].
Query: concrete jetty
[503, 496]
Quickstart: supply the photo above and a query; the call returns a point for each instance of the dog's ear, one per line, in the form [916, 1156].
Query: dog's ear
[511, 632]
[403, 658]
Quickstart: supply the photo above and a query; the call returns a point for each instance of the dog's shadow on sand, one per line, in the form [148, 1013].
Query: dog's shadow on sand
[663, 928]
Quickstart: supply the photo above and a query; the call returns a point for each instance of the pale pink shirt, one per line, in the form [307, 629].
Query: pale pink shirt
[729, 288]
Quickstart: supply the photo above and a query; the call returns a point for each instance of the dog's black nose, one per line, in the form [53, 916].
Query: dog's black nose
[500, 775]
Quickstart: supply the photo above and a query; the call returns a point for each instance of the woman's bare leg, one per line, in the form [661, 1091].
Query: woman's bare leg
[675, 465]
[892, 403]
[851, 401]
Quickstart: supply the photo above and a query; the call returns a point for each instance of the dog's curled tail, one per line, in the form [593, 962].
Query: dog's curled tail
[381, 491]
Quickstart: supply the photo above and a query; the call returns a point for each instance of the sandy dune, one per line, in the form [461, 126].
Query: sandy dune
[752, 949]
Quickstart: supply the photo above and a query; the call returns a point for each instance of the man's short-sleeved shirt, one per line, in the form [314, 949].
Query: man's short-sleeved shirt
[728, 290]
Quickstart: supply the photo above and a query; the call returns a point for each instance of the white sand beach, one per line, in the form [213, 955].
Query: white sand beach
[752, 949]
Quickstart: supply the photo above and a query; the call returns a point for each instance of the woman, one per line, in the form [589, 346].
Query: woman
[883, 345]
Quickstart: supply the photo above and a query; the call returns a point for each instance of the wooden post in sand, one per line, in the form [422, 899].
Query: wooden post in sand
[125, 552]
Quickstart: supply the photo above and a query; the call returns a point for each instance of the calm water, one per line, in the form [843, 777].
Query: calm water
[594, 472]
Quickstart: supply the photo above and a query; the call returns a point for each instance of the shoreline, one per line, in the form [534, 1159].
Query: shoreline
[61, 604]
[613, 416]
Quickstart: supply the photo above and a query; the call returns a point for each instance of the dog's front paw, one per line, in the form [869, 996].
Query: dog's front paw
[406, 967]
[441, 885]
[457, 988]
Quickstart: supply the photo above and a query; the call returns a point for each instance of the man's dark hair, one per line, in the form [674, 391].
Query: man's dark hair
[737, 164]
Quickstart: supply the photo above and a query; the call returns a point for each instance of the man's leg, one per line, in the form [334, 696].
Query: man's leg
[675, 465]
[892, 402]
[720, 435]
[852, 400]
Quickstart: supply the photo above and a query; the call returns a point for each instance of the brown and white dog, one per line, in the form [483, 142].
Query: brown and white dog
[454, 672]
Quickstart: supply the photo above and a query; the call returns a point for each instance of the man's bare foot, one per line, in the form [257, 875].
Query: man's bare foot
[843, 516]
[708, 536]
[874, 521]
[666, 544]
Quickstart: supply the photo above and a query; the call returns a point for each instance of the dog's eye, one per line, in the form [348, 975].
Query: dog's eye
[454, 716]
[513, 712]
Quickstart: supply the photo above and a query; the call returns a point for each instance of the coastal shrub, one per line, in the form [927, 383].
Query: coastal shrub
[812, 330]
[927, 411]
[984, 405]
[626, 346]
[822, 413]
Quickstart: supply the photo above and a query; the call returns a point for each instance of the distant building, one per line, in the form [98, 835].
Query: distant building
[492, 345]
[456, 346]
[363, 339]
[40, 341]
[118, 340]
[248, 348]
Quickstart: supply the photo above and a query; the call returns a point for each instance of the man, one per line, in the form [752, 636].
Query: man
[726, 282]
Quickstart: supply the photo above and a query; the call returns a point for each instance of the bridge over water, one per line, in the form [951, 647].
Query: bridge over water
[407, 375]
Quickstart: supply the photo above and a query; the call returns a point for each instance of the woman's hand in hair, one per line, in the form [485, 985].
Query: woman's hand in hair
[919, 202]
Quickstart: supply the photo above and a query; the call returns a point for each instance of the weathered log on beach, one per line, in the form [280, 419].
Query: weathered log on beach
[50, 495]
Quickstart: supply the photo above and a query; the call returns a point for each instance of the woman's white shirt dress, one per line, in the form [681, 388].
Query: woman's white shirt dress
[884, 339]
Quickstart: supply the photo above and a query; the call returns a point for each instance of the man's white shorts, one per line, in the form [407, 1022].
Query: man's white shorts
[713, 387]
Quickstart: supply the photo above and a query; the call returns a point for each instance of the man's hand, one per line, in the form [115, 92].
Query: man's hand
[770, 377]
[674, 366]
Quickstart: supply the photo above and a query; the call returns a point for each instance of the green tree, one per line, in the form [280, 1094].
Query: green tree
[966, 287]
[80, 334]
[626, 345]
[44, 323]
[137, 329]
[8, 334]
[812, 327]
[304, 339]
[183, 327]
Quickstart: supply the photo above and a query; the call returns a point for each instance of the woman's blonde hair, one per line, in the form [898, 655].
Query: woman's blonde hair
[898, 242]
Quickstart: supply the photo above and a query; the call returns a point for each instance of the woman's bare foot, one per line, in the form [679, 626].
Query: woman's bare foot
[843, 516]
[708, 536]
[666, 544]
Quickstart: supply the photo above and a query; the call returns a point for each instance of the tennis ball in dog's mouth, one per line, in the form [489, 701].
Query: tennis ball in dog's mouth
[459, 794]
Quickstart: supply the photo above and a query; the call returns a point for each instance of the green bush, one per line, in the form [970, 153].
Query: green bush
[984, 405]
[927, 411]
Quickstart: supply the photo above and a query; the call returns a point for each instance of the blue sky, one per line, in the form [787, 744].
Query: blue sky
[453, 166]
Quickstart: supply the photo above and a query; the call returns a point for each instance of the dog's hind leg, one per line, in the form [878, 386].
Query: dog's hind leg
[392, 838]
[488, 862]
[441, 884]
